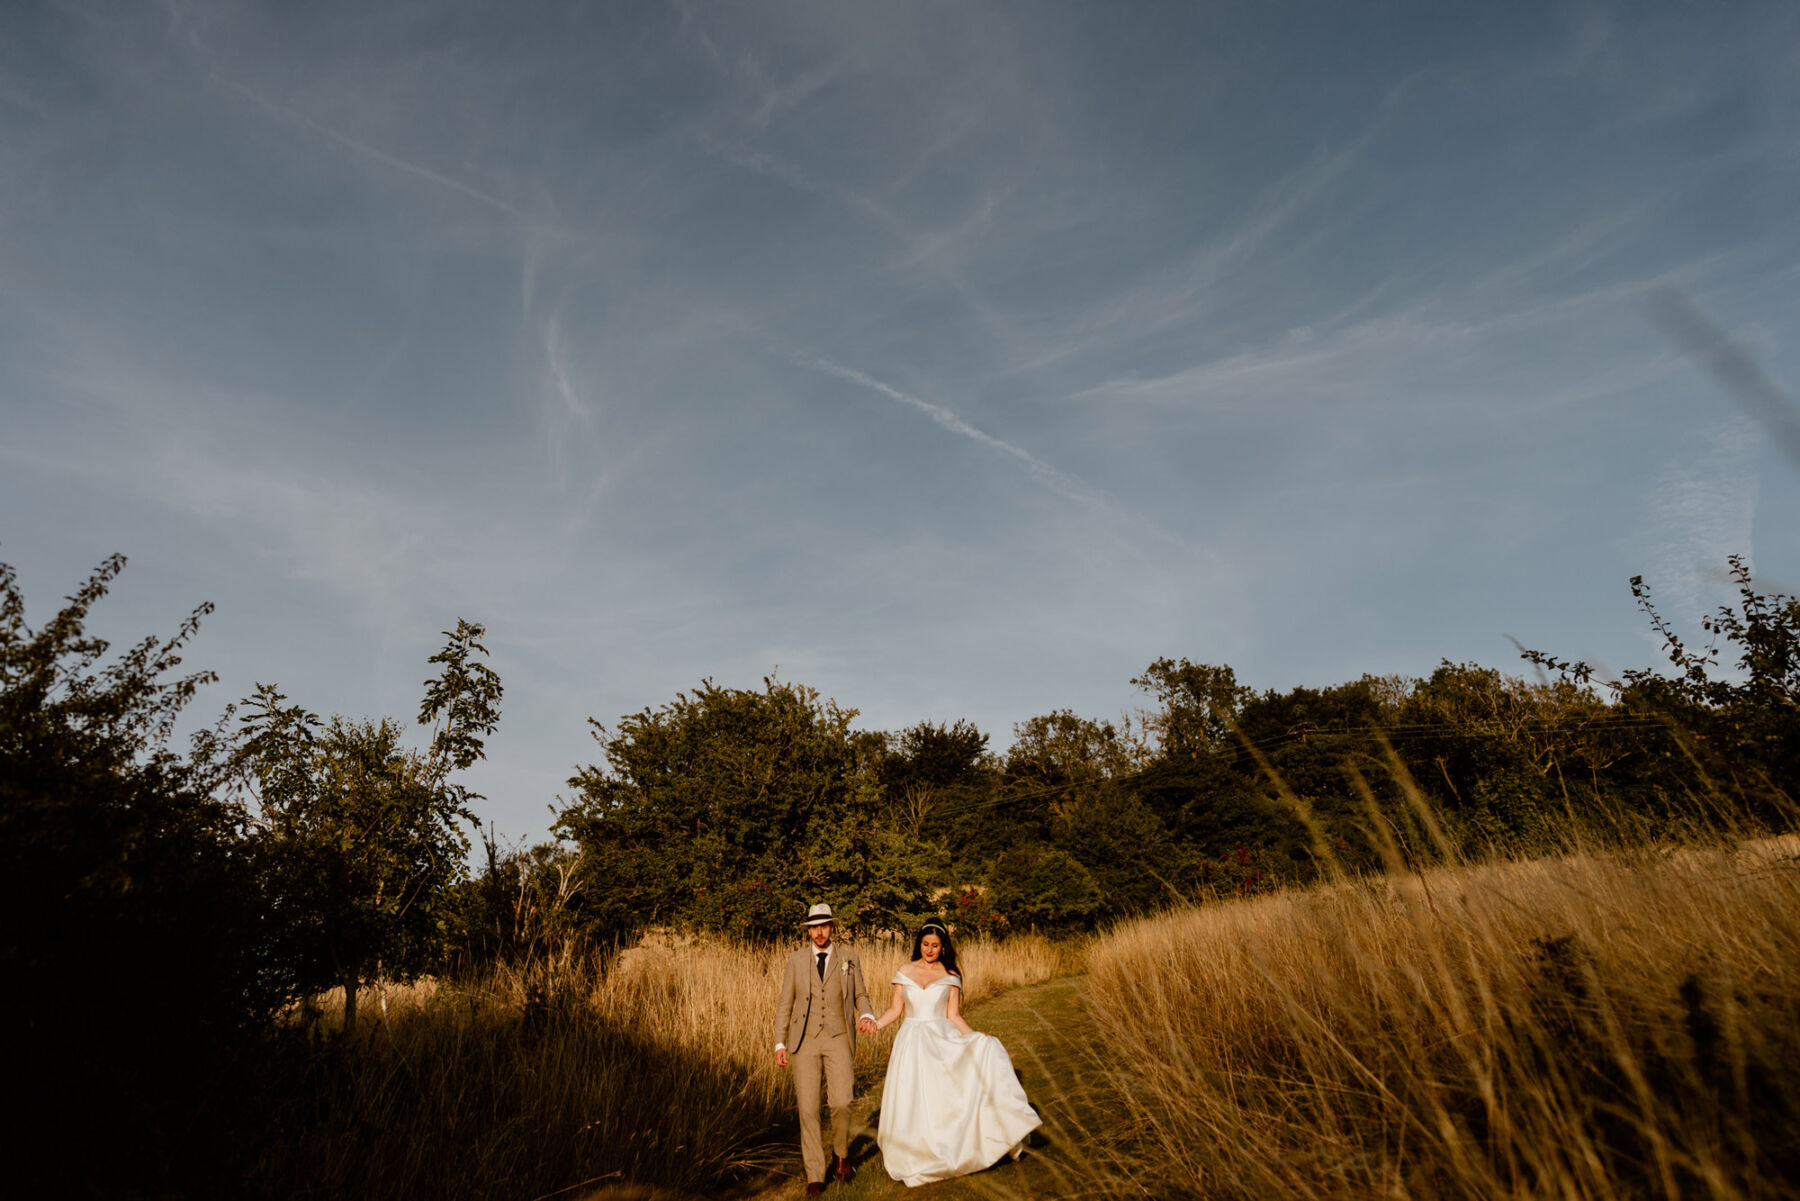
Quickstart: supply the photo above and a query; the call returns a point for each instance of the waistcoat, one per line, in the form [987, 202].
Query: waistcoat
[826, 1014]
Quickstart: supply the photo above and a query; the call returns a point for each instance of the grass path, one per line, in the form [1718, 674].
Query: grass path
[1048, 1034]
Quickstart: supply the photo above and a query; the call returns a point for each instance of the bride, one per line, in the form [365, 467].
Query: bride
[951, 1104]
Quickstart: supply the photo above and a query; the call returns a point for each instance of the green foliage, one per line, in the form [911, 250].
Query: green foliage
[1063, 750]
[1044, 887]
[1491, 749]
[937, 784]
[462, 707]
[134, 943]
[937, 756]
[364, 836]
[523, 905]
[1124, 848]
[1730, 729]
[732, 809]
[1217, 803]
[1200, 705]
[1241, 872]
[128, 864]
[1060, 769]
[1749, 718]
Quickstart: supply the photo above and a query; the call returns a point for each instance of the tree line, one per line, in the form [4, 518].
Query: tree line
[167, 903]
[726, 808]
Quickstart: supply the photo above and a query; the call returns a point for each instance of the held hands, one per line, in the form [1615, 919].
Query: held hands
[867, 1026]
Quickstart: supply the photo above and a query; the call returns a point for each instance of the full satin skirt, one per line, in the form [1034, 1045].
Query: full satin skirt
[951, 1104]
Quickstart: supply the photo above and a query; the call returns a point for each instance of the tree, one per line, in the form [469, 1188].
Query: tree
[941, 756]
[730, 809]
[525, 903]
[1737, 724]
[1754, 710]
[1062, 750]
[1235, 761]
[939, 785]
[1037, 886]
[931, 773]
[1124, 847]
[366, 836]
[1494, 751]
[1200, 704]
[134, 943]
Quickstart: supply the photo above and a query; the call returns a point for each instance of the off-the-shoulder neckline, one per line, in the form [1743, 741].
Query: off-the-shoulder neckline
[902, 976]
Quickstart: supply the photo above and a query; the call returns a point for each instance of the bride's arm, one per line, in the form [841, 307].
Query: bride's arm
[893, 1011]
[953, 1011]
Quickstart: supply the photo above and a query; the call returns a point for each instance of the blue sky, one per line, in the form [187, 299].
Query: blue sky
[956, 359]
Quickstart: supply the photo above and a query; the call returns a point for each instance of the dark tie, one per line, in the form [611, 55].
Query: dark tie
[822, 955]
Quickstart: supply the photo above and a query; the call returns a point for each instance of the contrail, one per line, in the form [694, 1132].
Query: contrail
[766, 164]
[1057, 481]
[374, 152]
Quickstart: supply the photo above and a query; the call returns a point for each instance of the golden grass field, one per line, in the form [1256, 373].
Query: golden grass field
[529, 1081]
[1574, 1027]
[1596, 1026]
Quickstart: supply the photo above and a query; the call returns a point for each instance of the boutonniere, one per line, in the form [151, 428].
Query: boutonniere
[844, 967]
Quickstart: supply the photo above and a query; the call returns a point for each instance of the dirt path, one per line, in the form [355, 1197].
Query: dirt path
[1048, 1034]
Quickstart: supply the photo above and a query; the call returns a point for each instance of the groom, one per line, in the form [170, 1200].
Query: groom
[816, 1022]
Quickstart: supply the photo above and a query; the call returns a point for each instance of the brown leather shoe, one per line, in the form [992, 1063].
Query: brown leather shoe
[842, 1170]
[814, 1187]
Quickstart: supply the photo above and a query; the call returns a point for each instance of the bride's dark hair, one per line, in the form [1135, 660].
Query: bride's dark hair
[947, 953]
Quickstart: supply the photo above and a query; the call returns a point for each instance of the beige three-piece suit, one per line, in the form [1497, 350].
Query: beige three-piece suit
[815, 1020]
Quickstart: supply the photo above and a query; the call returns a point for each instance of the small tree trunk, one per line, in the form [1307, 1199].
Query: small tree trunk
[350, 1006]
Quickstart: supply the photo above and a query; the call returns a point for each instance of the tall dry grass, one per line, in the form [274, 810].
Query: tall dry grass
[1586, 1026]
[528, 1081]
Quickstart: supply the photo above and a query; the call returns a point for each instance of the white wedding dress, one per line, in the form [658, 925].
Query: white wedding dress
[951, 1104]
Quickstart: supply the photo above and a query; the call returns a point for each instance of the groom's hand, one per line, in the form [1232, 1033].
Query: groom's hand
[781, 1057]
[866, 1026]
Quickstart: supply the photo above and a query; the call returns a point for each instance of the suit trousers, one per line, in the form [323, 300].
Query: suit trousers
[828, 1055]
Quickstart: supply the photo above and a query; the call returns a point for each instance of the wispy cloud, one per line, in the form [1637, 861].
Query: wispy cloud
[1429, 341]
[1297, 365]
[1095, 500]
[738, 130]
[1187, 291]
[772, 167]
[778, 98]
[1058, 481]
[1705, 508]
[568, 411]
[295, 117]
[360, 308]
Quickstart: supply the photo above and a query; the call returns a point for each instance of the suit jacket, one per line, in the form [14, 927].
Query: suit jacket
[843, 987]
